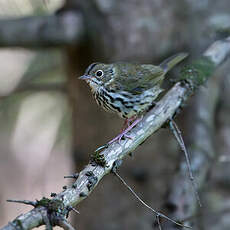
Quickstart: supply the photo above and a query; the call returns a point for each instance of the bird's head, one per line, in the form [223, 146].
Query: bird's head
[97, 75]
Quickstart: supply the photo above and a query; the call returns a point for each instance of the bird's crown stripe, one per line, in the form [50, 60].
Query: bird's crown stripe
[90, 68]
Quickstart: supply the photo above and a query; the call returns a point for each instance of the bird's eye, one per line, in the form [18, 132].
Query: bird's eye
[99, 73]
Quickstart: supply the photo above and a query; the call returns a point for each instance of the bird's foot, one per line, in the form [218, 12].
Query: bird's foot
[119, 137]
[101, 148]
[124, 132]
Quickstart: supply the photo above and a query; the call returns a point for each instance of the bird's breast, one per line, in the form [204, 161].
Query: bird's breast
[125, 104]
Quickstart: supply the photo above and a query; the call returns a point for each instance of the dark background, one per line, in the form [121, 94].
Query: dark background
[50, 123]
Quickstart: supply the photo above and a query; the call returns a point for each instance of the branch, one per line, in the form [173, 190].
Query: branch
[42, 31]
[64, 224]
[181, 204]
[165, 109]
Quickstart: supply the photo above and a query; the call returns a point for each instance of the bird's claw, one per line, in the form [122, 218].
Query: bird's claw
[101, 148]
[123, 136]
[124, 132]
[120, 137]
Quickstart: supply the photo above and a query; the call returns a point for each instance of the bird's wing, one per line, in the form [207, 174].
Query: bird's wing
[137, 78]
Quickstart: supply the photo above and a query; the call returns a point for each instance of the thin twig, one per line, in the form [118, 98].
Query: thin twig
[177, 133]
[27, 202]
[158, 222]
[146, 205]
[73, 176]
[75, 210]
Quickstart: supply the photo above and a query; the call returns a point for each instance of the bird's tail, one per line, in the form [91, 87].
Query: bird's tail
[170, 62]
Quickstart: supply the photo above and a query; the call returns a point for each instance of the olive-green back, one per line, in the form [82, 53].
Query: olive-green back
[136, 78]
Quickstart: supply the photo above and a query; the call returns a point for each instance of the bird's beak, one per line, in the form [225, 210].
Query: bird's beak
[85, 77]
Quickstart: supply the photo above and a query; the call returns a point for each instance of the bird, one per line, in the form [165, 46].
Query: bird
[128, 89]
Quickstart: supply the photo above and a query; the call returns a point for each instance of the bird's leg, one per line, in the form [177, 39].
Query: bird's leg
[127, 123]
[127, 129]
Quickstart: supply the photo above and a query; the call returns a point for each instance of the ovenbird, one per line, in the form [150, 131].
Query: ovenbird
[128, 89]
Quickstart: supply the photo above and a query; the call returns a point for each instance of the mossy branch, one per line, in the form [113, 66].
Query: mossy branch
[197, 73]
[200, 136]
[192, 77]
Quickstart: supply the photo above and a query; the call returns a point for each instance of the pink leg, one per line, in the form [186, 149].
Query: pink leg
[127, 123]
[126, 130]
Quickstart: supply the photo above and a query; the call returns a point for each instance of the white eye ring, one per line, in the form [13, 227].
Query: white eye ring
[99, 73]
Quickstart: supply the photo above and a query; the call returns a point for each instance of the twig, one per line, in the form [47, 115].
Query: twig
[158, 214]
[158, 222]
[27, 202]
[177, 133]
[200, 143]
[73, 176]
[75, 210]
